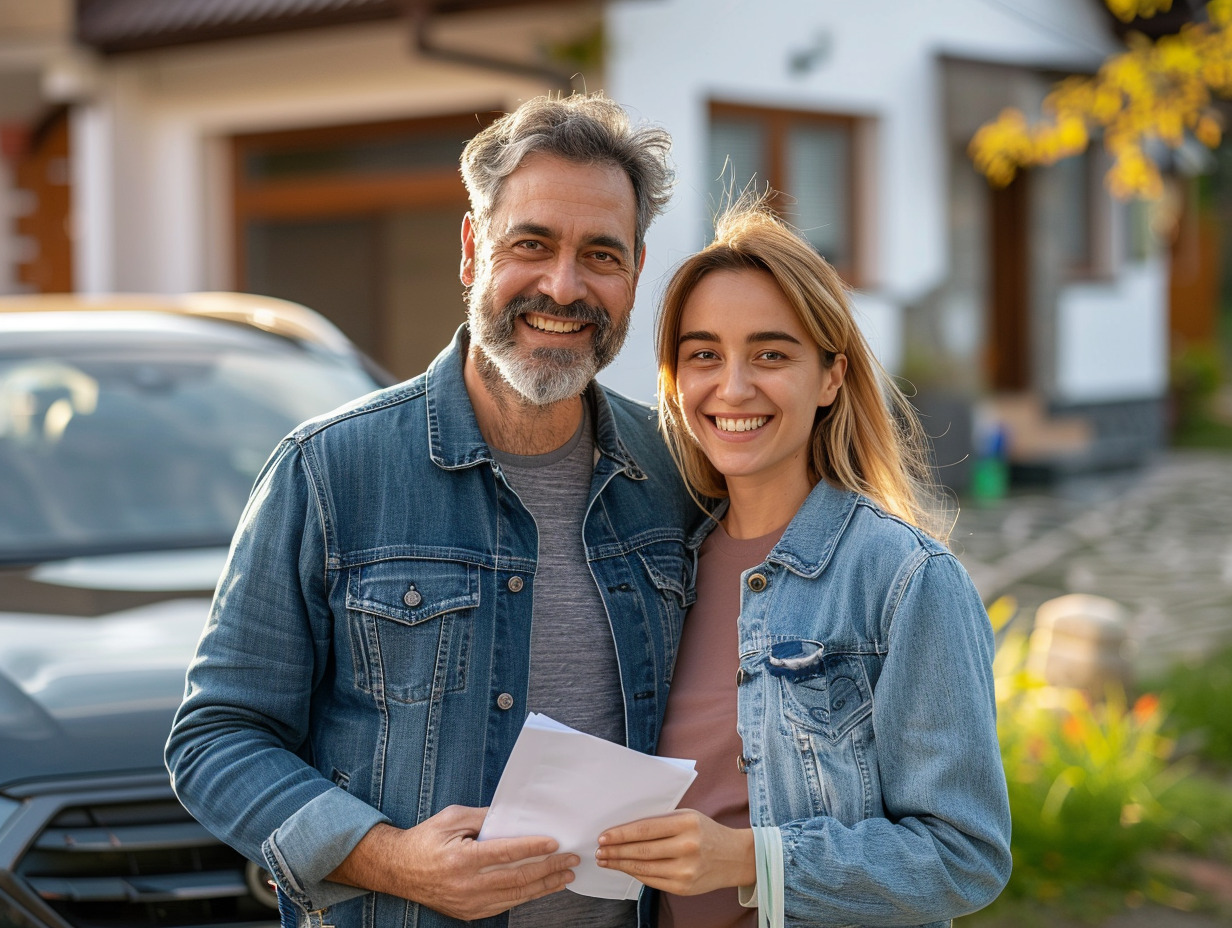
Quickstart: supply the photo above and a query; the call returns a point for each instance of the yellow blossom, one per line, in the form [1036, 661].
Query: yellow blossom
[1153, 91]
[1208, 131]
[1126, 10]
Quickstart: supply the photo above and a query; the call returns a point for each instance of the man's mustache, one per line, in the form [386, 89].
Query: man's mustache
[577, 311]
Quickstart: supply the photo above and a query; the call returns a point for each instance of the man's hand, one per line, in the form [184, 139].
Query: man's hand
[684, 853]
[438, 863]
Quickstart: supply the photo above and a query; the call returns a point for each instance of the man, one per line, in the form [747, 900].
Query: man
[416, 572]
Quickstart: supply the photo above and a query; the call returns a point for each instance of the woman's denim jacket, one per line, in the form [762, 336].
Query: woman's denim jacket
[373, 622]
[868, 720]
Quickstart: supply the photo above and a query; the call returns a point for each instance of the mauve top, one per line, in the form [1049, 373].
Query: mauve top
[701, 716]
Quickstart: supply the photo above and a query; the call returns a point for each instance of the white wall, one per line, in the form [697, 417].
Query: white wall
[1112, 337]
[668, 58]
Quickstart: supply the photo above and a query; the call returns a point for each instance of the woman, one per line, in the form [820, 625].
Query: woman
[834, 676]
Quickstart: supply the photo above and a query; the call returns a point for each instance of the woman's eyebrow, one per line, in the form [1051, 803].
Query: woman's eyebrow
[774, 337]
[696, 337]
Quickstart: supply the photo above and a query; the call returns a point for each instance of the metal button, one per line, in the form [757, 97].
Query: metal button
[742, 676]
[515, 584]
[412, 597]
[504, 701]
[757, 582]
[742, 765]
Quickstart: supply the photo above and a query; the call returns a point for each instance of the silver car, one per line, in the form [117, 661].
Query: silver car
[131, 430]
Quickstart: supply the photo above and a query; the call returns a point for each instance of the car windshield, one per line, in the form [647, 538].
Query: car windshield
[117, 441]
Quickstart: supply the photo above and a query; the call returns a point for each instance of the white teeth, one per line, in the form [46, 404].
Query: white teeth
[740, 425]
[544, 324]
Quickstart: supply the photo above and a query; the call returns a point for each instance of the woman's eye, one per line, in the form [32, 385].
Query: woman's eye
[772, 356]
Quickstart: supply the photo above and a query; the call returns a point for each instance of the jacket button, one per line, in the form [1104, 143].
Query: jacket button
[412, 597]
[742, 764]
[504, 701]
[742, 676]
[757, 582]
[515, 584]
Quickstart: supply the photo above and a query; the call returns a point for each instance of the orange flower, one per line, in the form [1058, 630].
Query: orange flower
[1145, 708]
[1072, 729]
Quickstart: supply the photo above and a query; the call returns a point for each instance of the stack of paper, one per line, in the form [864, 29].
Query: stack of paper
[571, 786]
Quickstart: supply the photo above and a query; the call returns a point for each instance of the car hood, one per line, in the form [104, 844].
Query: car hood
[92, 659]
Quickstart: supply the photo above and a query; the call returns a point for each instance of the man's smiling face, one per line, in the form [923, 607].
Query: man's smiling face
[552, 275]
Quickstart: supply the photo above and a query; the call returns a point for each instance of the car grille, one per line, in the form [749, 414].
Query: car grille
[141, 863]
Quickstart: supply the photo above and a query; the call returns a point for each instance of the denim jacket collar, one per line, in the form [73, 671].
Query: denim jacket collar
[453, 432]
[812, 535]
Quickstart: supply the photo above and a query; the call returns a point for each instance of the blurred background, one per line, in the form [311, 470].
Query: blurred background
[1067, 348]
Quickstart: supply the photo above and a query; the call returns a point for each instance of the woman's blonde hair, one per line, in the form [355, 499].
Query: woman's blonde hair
[869, 439]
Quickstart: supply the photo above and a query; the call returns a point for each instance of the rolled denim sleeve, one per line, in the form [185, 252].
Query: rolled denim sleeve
[238, 745]
[942, 848]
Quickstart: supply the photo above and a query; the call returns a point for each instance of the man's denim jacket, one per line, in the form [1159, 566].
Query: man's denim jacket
[365, 658]
[868, 720]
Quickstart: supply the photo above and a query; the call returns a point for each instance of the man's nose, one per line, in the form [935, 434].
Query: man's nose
[562, 281]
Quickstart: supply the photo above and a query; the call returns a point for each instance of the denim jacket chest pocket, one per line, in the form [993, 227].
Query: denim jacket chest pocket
[826, 705]
[411, 622]
[823, 693]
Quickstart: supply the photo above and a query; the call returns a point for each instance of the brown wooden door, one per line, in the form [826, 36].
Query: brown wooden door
[1008, 358]
[42, 172]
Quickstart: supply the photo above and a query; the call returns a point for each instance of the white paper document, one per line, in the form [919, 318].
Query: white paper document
[571, 786]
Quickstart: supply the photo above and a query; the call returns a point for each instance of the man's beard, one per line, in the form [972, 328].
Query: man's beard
[545, 375]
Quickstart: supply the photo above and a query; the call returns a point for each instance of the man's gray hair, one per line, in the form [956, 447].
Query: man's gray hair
[586, 128]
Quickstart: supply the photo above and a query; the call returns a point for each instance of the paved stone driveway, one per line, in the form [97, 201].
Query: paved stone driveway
[1157, 539]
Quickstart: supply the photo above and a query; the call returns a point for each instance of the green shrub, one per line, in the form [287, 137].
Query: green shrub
[1085, 779]
[1097, 791]
[1199, 701]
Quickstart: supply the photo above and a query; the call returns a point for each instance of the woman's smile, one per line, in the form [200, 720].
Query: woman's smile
[738, 423]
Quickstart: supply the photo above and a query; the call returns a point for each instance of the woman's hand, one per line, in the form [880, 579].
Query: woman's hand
[684, 853]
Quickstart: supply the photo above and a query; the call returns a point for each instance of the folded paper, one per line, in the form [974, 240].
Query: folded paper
[572, 786]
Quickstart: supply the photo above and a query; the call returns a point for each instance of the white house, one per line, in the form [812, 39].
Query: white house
[308, 148]
[1046, 303]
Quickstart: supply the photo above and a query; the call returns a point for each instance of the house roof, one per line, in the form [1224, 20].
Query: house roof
[114, 26]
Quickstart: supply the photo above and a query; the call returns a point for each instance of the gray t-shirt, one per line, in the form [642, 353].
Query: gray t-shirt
[574, 677]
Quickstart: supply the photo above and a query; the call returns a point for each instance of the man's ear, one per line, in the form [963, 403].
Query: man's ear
[641, 261]
[467, 270]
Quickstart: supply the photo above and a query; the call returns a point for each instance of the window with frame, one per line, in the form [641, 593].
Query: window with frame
[1083, 216]
[1074, 221]
[811, 159]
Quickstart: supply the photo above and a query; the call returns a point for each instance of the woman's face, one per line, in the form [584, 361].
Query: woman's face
[750, 379]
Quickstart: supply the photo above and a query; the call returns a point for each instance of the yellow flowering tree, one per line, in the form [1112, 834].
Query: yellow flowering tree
[1156, 90]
